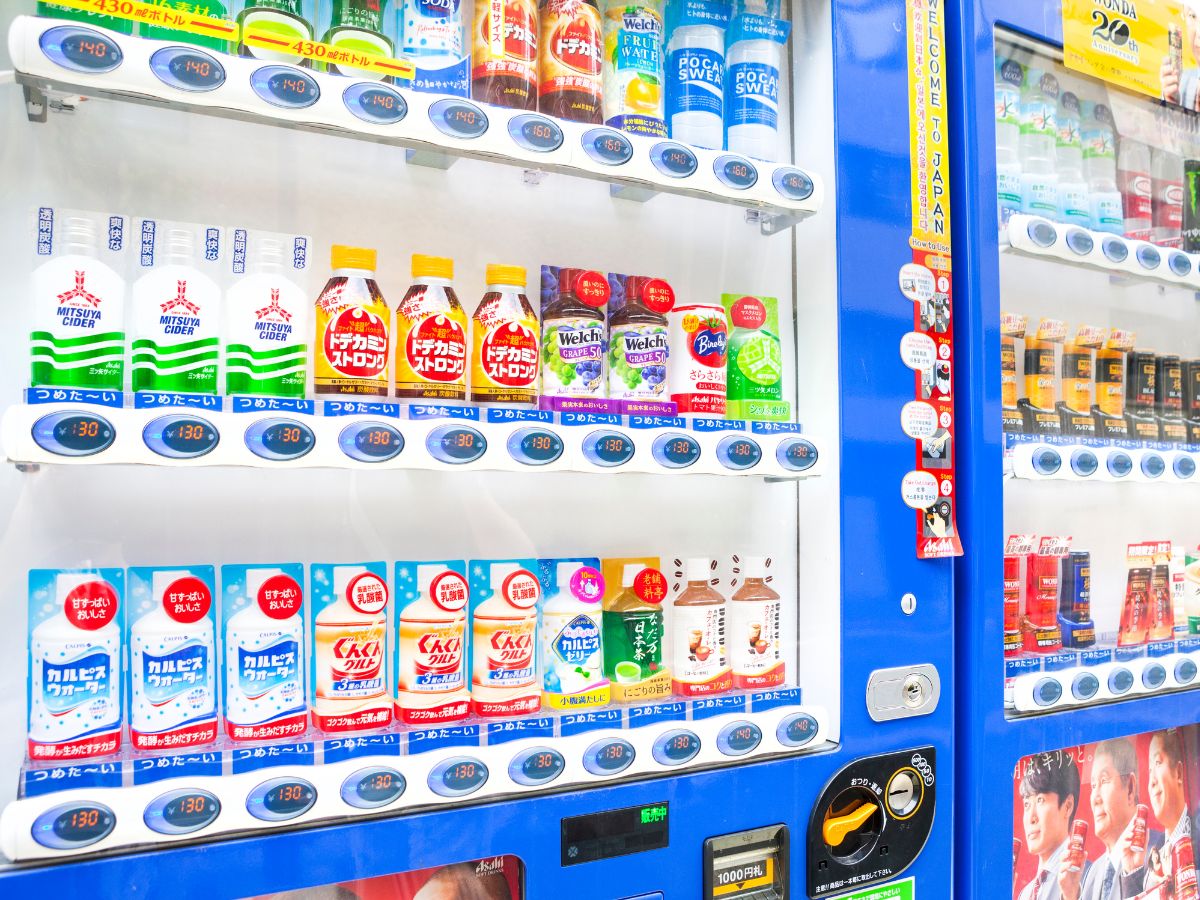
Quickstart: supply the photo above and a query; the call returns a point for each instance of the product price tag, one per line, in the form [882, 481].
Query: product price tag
[342, 57]
[160, 16]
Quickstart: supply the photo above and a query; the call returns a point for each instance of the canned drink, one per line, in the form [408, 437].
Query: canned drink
[1183, 865]
[1110, 382]
[1039, 373]
[1076, 590]
[1141, 381]
[1190, 371]
[1041, 602]
[1008, 373]
[1137, 840]
[1075, 858]
[1012, 606]
[1077, 374]
[1168, 387]
[1175, 46]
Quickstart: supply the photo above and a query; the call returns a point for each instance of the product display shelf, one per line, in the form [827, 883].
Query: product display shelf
[1096, 460]
[58, 61]
[1123, 257]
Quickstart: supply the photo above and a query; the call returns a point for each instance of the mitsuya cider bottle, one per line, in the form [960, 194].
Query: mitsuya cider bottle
[699, 662]
[350, 354]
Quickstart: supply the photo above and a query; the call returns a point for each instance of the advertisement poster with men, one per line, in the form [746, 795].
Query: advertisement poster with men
[1112, 820]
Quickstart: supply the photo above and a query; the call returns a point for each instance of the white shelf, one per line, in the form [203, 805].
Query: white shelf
[1139, 260]
[1096, 460]
[435, 130]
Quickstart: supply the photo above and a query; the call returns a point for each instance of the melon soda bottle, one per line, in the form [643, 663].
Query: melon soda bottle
[431, 335]
[569, 61]
[350, 354]
[504, 341]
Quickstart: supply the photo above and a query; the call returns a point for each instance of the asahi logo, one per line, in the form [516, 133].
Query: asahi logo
[493, 866]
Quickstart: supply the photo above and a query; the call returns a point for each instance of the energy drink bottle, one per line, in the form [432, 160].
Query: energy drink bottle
[1191, 205]
[505, 49]
[569, 61]
[504, 341]
[431, 334]
[350, 353]
[1039, 373]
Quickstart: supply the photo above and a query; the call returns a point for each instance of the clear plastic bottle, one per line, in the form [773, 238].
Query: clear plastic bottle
[633, 639]
[700, 665]
[1037, 149]
[633, 66]
[1072, 189]
[752, 60]
[1134, 182]
[572, 653]
[755, 645]
[1010, 75]
[638, 347]
[504, 341]
[1166, 176]
[695, 76]
[572, 343]
[1100, 168]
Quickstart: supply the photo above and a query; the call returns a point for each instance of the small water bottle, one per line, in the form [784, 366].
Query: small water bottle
[696, 71]
[755, 47]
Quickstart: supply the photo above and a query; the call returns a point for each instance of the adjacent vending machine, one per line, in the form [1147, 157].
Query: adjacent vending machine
[456, 450]
[1076, 141]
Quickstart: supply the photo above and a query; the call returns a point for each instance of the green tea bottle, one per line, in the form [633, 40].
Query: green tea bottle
[633, 642]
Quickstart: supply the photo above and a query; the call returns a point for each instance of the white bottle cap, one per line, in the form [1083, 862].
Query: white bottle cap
[79, 236]
[698, 569]
[265, 251]
[256, 578]
[754, 567]
[500, 571]
[425, 575]
[630, 573]
[180, 244]
[65, 582]
[163, 579]
[565, 571]
[342, 576]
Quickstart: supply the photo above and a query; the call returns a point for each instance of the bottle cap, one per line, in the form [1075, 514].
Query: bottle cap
[79, 233]
[163, 579]
[426, 573]
[635, 285]
[567, 279]
[754, 567]
[698, 569]
[630, 573]
[65, 582]
[344, 257]
[502, 274]
[432, 266]
[256, 578]
[564, 572]
[265, 251]
[342, 576]
[500, 571]
[181, 243]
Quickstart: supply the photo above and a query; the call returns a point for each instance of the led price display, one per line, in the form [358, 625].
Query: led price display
[180, 437]
[676, 747]
[1119, 464]
[458, 776]
[792, 184]
[373, 787]
[1148, 257]
[608, 757]
[1184, 466]
[1179, 264]
[1115, 249]
[796, 454]
[280, 799]
[181, 812]
[455, 444]
[534, 446]
[607, 147]
[535, 133]
[458, 119]
[676, 450]
[738, 738]
[187, 69]
[796, 730]
[739, 453]
[615, 832]
[371, 441]
[73, 433]
[735, 172]
[1080, 242]
[537, 765]
[673, 160]
[1153, 465]
[608, 448]
[80, 49]
[72, 825]
[280, 439]
[285, 87]
[375, 103]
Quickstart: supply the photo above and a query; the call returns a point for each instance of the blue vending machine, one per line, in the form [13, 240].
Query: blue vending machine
[1075, 147]
[464, 452]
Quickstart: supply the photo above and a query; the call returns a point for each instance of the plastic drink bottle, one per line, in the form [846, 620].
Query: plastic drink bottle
[78, 336]
[571, 640]
[432, 38]
[1010, 75]
[264, 660]
[214, 9]
[633, 66]
[282, 19]
[431, 679]
[350, 354]
[755, 367]
[1166, 203]
[700, 336]
[267, 328]
[570, 85]
[1133, 179]
[1100, 168]
[572, 343]
[350, 650]
[176, 322]
[1038, 144]
[699, 662]
[75, 673]
[505, 49]
[752, 61]
[1191, 601]
[755, 647]
[638, 348]
[1073, 206]
[431, 334]
[503, 642]
[357, 26]
[633, 639]
[504, 341]
[695, 73]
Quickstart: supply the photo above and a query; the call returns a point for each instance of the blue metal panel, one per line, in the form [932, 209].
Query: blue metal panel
[988, 746]
[879, 566]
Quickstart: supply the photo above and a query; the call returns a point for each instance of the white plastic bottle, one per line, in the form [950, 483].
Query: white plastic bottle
[1072, 189]
[695, 75]
[176, 322]
[350, 650]
[755, 651]
[432, 39]
[503, 644]
[64, 706]
[752, 61]
[431, 680]
[1166, 174]
[571, 642]
[173, 685]
[1010, 75]
[78, 335]
[1100, 168]
[264, 668]
[266, 328]
[1038, 145]
[1134, 182]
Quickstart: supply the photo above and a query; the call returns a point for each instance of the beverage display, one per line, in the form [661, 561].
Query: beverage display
[431, 674]
[573, 338]
[633, 67]
[753, 56]
[699, 661]
[432, 38]
[695, 72]
[505, 48]
[570, 61]
[1135, 184]
[571, 636]
[755, 360]
[431, 334]
[634, 630]
[1038, 145]
[1073, 205]
[639, 351]
[358, 26]
[283, 21]
[1100, 168]
[755, 649]
[350, 351]
[504, 624]
[504, 341]
[698, 379]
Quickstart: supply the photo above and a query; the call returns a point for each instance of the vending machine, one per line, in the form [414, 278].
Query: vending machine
[456, 450]
[1075, 146]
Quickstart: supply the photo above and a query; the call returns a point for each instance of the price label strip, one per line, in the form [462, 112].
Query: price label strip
[328, 53]
[930, 488]
[162, 16]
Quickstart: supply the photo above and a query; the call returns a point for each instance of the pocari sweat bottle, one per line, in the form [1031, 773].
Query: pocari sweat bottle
[1038, 145]
[1010, 75]
[696, 71]
[1072, 189]
[1100, 168]
[755, 46]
